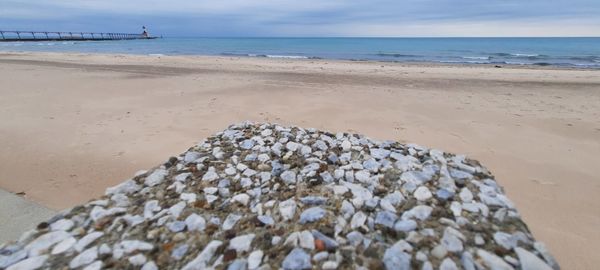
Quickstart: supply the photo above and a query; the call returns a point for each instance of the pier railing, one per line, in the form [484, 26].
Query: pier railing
[56, 36]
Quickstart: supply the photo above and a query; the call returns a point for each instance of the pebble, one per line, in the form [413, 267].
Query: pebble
[439, 251]
[320, 256]
[358, 220]
[155, 177]
[287, 209]
[29, 263]
[63, 246]
[267, 220]
[242, 199]
[346, 145]
[275, 240]
[448, 264]
[195, 222]
[386, 218]
[247, 144]
[179, 252]
[35, 247]
[492, 261]
[254, 259]
[138, 259]
[86, 240]
[330, 244]
[505, 240]
[96, 265]
[288, 177]
[405, 225]
[362, 176]
[378, 153]
[239, 264]
[191, 156]
[444, 194]
[313, 200]
[230, 221]
[306, 240]
[395, 258]
[11, 258]
[297, 259]
[421, 212]
[202, 259]
[312, 214]
[330, 265]
[126, 187]
[541, 248]
[84, 258]
[354, 238]
[129, 246]
[149, 266]
[422, 193]
[62, 225]
[529, 261]
[210, 176]
[466, 195]
[241, 243]
[451, 242]
[176, 226]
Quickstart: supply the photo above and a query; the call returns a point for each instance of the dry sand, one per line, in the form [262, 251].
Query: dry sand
[73, 124]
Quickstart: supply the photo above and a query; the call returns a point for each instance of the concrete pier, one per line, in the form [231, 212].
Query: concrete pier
[63, 36]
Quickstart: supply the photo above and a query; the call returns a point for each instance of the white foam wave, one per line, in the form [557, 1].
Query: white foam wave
[464, 62]
[524, 55]
[476, 57]
[156, 54]
[287, 56]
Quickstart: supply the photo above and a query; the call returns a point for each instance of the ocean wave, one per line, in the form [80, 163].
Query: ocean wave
[463, 62]
[531, 56]
[287, 56]
[593, 65]
[524, 55]
[268, 55]
[156, 54]
[397, 55]
[591, 58]
[240, 54]
[476, 57]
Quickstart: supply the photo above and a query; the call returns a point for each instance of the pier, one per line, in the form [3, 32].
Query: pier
[67, 36]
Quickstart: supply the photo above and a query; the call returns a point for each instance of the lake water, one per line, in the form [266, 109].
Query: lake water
[577, 52]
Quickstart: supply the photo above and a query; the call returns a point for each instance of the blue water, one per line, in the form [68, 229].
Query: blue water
[579, 52]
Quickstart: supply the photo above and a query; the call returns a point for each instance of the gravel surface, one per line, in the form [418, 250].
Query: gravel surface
[263, 196]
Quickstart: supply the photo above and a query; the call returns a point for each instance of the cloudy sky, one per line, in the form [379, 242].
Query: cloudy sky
[309, 17]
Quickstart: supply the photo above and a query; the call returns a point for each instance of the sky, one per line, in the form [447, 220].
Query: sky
[308, 18]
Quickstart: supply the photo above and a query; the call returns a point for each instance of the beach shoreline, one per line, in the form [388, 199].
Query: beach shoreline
[59, 56]
[73, 124]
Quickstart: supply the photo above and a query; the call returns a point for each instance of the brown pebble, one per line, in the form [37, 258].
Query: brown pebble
[229, 234]
[320, 245]
[43, 226]
[168, 246]
[229, 255]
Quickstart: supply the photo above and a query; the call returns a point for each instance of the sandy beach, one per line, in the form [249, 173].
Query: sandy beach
[73, 124]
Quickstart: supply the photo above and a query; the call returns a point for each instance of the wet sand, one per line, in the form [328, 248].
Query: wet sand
[73, 124]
